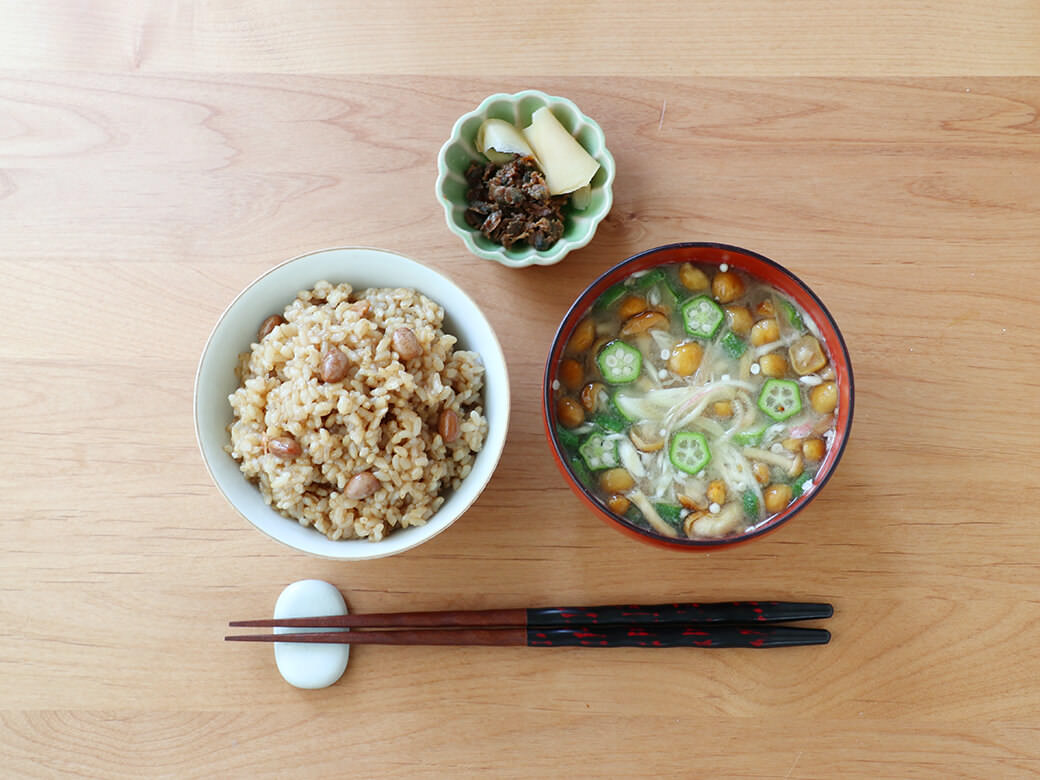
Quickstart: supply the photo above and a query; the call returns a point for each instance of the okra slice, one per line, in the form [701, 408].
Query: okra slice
[620, 363]
[599, 453]
[780, 399]
[702, 317]
[689, 452]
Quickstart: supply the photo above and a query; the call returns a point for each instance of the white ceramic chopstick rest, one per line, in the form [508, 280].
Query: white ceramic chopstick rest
[304, 665]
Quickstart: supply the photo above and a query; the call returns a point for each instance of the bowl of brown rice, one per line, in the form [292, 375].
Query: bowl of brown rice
[351, 403]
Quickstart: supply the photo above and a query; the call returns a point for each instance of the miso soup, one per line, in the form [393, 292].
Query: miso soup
[696, 401]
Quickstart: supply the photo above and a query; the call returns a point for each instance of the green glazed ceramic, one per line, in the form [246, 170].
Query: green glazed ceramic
[460, 150]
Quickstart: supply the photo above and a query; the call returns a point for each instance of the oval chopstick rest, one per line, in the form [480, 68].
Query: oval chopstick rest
[310, 666]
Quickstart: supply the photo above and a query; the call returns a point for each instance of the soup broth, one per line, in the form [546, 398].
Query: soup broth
[695, 401]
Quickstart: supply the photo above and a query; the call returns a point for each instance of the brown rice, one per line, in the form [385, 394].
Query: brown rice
[382, 417]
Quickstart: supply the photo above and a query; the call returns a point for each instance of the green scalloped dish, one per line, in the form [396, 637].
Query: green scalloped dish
[460, 150]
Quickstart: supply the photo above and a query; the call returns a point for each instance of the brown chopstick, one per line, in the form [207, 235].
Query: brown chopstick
[444, 619]
[706, 636]
[462, 636]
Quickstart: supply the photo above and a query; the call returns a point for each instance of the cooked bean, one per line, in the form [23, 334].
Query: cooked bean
[727, 286]
[631, 306]
[777, 497]
[583, 336]
[334, 365]
[739, 320]
[693, 278]
[284, 447]
[448, 426]
[641, 323]
[569, 413]
[406, 344]
[362, 485]
[268, 325]
[590, 395]
[616, 481]
[717, 491]
[618, 504]
[764, 332]
[571, 373]
[814, 449]
[824, 398]
[362, 307]
[686, 358]
[773, 364]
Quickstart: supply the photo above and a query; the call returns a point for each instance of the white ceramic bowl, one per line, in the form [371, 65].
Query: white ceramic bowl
[361, 267]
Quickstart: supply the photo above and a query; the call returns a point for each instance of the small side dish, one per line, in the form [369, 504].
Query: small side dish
[355, 412]
[564, 146]
[695, 401]
[521, 193]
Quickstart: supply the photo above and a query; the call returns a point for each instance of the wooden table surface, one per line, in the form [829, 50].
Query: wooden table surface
[156, 157]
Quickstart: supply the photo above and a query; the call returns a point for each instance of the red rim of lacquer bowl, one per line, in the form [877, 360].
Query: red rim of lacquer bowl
[755, 265]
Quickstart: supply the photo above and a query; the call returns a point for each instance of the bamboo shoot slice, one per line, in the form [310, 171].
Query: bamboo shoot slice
[581, 199]
[499, 141]
[565, 163]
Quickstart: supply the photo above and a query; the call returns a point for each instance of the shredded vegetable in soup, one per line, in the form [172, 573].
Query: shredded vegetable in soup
[695, 401]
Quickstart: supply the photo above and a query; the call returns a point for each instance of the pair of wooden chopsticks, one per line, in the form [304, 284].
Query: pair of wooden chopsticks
[723, 624]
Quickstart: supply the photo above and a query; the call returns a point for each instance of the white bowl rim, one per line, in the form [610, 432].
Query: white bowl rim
[386, 547]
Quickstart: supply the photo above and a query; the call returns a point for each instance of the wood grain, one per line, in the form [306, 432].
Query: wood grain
[134, 206]
[610, 37]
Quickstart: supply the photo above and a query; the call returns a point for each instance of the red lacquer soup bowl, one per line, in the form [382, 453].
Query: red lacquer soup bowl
[708, 257]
